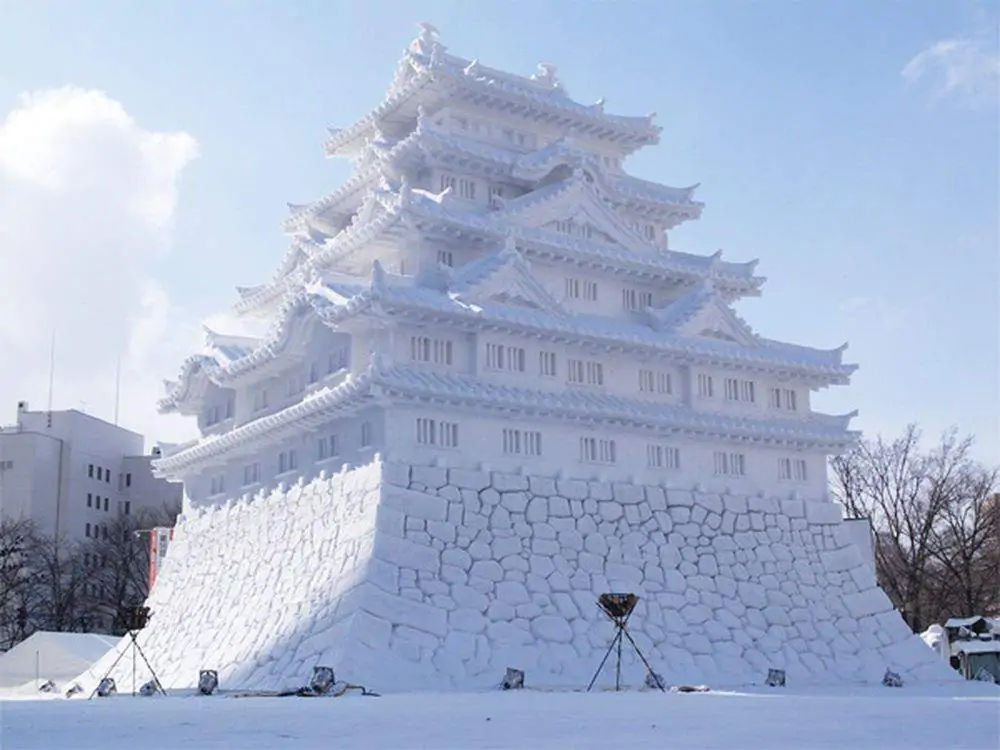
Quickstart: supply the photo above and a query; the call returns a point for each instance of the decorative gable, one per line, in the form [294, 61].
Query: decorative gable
[503, 278]
[574, 206]
[703, 313]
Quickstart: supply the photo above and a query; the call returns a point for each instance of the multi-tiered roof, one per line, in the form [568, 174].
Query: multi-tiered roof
[331, 271]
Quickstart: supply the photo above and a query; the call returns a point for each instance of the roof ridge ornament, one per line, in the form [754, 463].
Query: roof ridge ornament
[546, 76]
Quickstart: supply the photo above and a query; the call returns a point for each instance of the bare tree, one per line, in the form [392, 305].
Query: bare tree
[932, 525]
[17, 548]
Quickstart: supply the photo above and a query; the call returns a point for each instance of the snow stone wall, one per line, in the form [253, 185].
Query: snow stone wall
[407, 577]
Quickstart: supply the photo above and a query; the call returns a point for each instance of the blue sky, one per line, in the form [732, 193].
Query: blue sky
[852, 147]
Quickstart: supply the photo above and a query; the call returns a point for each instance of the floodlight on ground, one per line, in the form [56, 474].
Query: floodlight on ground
[619, 608]
[892, 679]
[513, 679]
[73, 690]
[775, 678]
[322, 680]
[208, 681]
[106, 687]
[149, 688]
[47, 687]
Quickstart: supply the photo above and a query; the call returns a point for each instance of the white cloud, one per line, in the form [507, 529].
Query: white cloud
[963, 69]
[87, 198]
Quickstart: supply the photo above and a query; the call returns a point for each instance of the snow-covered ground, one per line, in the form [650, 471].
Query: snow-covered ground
[962, 716]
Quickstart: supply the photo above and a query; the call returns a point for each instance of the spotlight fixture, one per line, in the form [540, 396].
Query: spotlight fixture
[619, 607]
[322, 680]
[134, 618]
[513, 679]
[892, 679]
[775, 678]
[208, 681]
[149, 688]
[106, 687]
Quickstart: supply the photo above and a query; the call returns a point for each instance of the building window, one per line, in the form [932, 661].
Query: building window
[90, 471]
[107, 476]
[500, 357]
[663, 457]
[741, 390]
[251, 474]
[467, 189]
[585, 290]
[448, 434]
[705, 386]
[585, 372]
[104, 532]
[783, 398]
[598, 450]
[106, 500]
[448, 181]
[730, 464]
[635, 299]
[522, 442]
[426, 349]
[260, 400]
[128, 479]
[87, 531]
[287, 461]
[218, 485]
[328, 447]
[445, 258]
[89, 499]
[100, 473]
[128, 507]
[366, 434]
[792, 469]
[547, 364]
[572, 285]
[426, 431]
[652, 381]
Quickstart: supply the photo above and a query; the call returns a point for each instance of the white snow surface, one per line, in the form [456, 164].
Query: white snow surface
[52, 656]
[408, 578]
[932, 717]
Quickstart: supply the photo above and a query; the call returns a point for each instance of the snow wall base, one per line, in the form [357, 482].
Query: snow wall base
[415, 577]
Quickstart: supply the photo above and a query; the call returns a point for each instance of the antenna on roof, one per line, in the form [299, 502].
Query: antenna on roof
[118, 386]
[52, 374]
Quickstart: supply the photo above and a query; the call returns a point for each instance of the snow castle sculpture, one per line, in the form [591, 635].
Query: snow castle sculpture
[481, 389]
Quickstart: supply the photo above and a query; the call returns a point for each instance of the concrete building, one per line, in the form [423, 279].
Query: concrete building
[71, 472]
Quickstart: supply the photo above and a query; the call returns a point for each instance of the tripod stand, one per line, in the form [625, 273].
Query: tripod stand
[619, 608]
[136, 618]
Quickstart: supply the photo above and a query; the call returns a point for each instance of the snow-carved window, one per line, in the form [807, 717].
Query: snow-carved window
[366, 434]
[449, 181]
[581, 289]
[448, 434]
[598, 450]
[426, 431]
[213, 415]
[287, 461]
[636, 299]
[251, 474]
[467, 188]
[662, 456]
[218, 485]
[741, 390]
[650, 232]
[328, 446]
[783, 398]
[510, 358]
[435, 351]
[705, 386]
[730, 464]
[446, 258]
[792, 469]
[522, 442]
[547, 364]
[585, 372]
[496, 195]
[652, 381]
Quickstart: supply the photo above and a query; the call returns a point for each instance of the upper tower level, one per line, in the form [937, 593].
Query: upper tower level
[429, 77]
